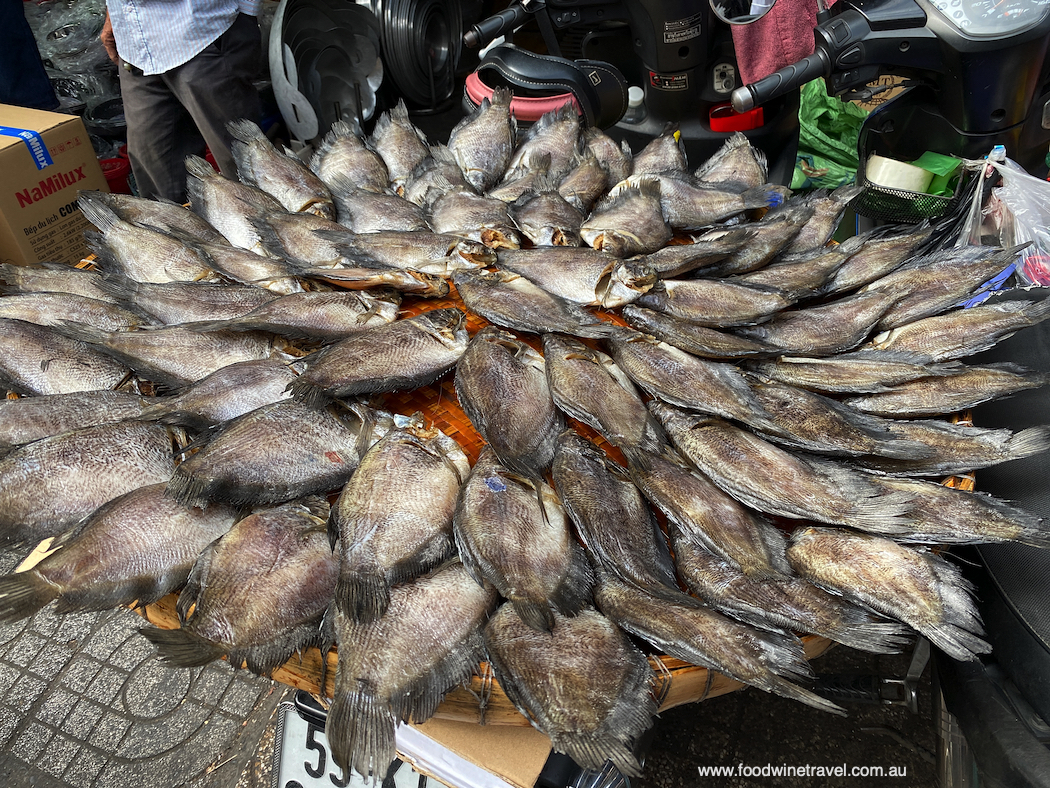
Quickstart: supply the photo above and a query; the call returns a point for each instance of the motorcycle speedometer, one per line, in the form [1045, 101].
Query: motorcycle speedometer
[992, 17]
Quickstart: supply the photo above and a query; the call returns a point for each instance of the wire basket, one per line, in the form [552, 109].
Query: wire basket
[901, 206]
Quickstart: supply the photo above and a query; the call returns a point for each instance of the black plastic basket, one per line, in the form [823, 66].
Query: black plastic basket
[900, 206]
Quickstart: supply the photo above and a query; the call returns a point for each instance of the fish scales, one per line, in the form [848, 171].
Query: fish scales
[714, 302]
[27, 419]
[584, 276]
[344, 152]
[512, 532]
[228, 205]
[258, 594]
[399, 143]
[699, 340]
[73, 365]
[585, 684]
[393, 519]
[483, 141]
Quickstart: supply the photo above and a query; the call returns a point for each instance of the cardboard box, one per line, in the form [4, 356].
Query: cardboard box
[45, 158]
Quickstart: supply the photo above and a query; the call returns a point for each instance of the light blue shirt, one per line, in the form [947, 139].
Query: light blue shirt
[158, 35]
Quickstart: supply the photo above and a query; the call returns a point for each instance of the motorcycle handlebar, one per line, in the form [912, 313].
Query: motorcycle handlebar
[780, 82]
[488, 29]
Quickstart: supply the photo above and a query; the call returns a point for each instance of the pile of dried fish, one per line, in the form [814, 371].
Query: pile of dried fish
[753, 378]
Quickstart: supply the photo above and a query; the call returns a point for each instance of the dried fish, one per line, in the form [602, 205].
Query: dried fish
[714, 302]
[483, 141]
[71, 365]
[343, 152]
[582, 275]
[628, 222]
[400, 144]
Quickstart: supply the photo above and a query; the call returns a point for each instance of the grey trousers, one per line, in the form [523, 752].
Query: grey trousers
[174, 114]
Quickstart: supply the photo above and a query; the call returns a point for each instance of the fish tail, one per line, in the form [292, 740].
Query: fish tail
[535, 615]
[787, 689]
[363, 596]
[181, 647]
[198, 168]
[958, 629]
[187, 489]
[1034, 440]
[96, 210]
[591, 751]
[310, 395]
[360, 731]
[877, 638]
[245, 130]
[24, 593]
[956, 642]
[763, 197]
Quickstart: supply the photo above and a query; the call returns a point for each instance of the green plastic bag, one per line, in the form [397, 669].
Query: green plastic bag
[827, 143]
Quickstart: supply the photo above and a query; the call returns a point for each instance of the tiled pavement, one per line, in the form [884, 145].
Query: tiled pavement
[85, 704]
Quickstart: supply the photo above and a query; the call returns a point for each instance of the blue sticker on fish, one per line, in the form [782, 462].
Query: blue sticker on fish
[776, 199]
[495, 483]
[35, 143]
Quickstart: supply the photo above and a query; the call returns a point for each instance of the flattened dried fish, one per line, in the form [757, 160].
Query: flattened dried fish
[827, 211]
[276, 453]
[483, 141]
[881, 250]
[547, 219]
[512, 532]
[766, 477]
[501, 384]
[430, 253]
[474, 216]
[737, 161]
[687, 203]
[51, 484]
[400, 667]
[587, 385]
[250, 268]
[861, 371]
[924, 591]
[342, 151]
[317, 315]
[628, 222]
[788, 602]
[615, 158]
[401, 355]
[225, 394]
[175, 355]
[401, 145]
[556, 135]
[802, 275]
[51, 278]
[27, 419]
[582, 275]
[138, 548]
[963, 387]
[684, 628]
[664, 153]
[511, 301]
[258, 594]
[402, 280]
[585, 684]
[714, 302]
[701, 512]
[171, 303]
[705, 250]
[775, 231]
[393, 519]
[363, 211]
[159, 213]
[692, 338]
[585, 182]
[611, 516]
[825, 330]
[300, 237]
[39, 360]
[51, 309]
[227, 205]
[428, 178]
[282, 175]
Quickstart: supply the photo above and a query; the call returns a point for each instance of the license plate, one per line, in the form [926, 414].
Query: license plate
[302, 758]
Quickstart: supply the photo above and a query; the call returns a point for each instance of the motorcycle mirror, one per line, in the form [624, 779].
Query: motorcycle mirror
[740, 12]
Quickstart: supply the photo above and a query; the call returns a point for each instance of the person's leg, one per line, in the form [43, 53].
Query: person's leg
[217, 86]
[160, 135]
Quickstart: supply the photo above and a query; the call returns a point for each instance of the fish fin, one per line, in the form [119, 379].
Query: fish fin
[1034, 440]
[420, 699]
[787, 689]
[23, 593]
[766, 196]
[245, 130]
[339, 129]
[575, 589]
[181, 647]
[103, 596]
[96, 210]
[199, 168]
[956, 642]
[188, 490]
[592, 750]
[360, 731]
[958, 632]
[268, 236]
[537, 615]
[363, 594]
[312, 396]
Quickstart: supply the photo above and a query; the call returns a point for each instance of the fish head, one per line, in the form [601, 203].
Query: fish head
[500, 238]
[625, 283]
[471, 254]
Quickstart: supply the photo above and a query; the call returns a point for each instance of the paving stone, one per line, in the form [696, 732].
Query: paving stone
[154, 689]
[84, 769]
[9, 674]
[25, 693]
[58, 754]
[25, 649]
[56, 707]
[109, 731]
[32, 742]
[104, 641]
[106, 685]
[83, 719]
[79, 626]
[242, 696]
[80, 672]
[211, 683]
[9, 720]
[51, 659]
[133, 652]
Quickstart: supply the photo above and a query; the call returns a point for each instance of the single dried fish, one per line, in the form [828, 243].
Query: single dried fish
[51, 278]
[827, 211]
[714, 302]
[787, 602]
[584, 276]
[737, 161]
[611, 517]
[137, 548]
[227, 205]
[512, 532]
[628, 222]
[476, 217]
[587, 385]
[28, 419]
[770, 235]
[401, 355]
[363, 211]
[343, 152]
[555, 135]
[688, 203]
[584, 684]
[800, 276]
[277, 453]
[881, 251]
[52, 309]
[403, 280]
[512, 301]
[430, 253]
[157, 213]
[171, 303]
[501, 384]
[692, 338]
[51, 484]
[664, 153]
[282, 175]
[399, 667]
[861, 371]
[400, 144]
[393, 519]
[547, 218]
[585, 182]
[706, 250]
[258, 594]
[924, 591]
[39, 360]
[615, 157]
[483, 141]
